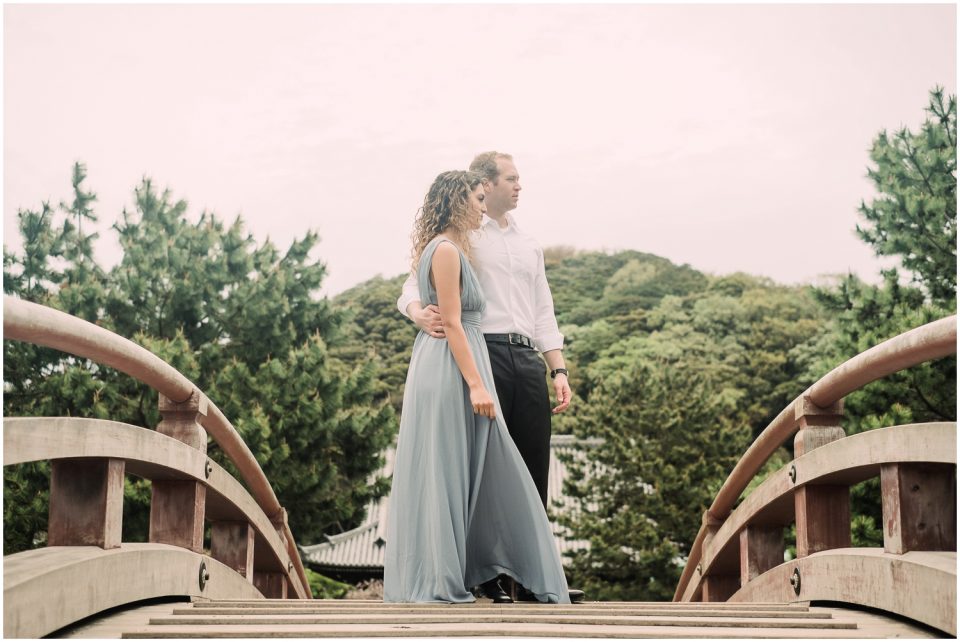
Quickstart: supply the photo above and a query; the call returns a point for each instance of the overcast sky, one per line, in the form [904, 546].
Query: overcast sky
[732, 138]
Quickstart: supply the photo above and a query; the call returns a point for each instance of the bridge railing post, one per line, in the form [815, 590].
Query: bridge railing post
[822, 511]
[233, 544]
[86, 502]
[273, 584]
[761, 548]
[717, 586]
[919, 502]
[177, 507]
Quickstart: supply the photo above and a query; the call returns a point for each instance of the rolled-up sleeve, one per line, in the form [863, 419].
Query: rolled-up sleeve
[410, 293]
[546, 332]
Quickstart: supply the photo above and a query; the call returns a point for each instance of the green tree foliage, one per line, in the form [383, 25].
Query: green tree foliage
[676, 405]
[324, 588]
[374, 329]
[913, 218]
[669, 434]
[590, 285]
[243, 320]
[915, 215]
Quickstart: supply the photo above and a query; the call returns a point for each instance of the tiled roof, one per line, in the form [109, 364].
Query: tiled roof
[362, 547]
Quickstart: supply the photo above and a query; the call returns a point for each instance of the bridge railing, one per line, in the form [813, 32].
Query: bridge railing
[85, 567]
[739, 554]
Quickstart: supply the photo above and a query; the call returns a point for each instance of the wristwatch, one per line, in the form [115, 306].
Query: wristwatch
[554, 373]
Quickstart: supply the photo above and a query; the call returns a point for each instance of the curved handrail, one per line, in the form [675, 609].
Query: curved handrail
[926, 343]
[858, 457]
[149, 455]
[931, 341]
[35, 323]
[41, 325]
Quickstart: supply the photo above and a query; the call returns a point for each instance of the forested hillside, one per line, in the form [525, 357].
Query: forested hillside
[607, 305]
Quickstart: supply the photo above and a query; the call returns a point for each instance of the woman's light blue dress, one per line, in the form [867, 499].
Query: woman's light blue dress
[463, 508]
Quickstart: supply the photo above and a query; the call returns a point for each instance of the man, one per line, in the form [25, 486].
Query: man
[517, 323]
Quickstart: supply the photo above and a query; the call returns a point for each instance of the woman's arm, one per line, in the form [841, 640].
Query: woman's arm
[445, 269]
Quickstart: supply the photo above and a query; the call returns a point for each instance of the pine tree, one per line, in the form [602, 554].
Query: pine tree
[915, 215]
[669, 438]
[914, 218]
[243, 321]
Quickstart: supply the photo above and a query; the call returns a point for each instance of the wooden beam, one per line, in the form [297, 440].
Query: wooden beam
[921, 586]
[176, 513]
[919, 507]
[715, 587]
[761, 548]
[232, 543]
[272, 585]
[822, 512]
[823, 518]
[45, 589]
[720, 588]
[86, 502]
[177, 507]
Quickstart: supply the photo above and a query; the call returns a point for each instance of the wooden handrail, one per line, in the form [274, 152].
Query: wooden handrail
[41, 325]
[931, 341]
[926, 343]
[38, 324]
[149, 455]
[853, 459]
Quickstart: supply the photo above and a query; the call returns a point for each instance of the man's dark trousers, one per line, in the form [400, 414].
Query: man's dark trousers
[519, 375]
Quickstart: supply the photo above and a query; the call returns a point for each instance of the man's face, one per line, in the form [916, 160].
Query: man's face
[504, 195]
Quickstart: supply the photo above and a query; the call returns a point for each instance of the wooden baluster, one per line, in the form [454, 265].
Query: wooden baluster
[273, 584]
[177, 506]
[86, 502]
[232, 543]
[716, 587]
[761, 548]
[919, 507]
[822, 511]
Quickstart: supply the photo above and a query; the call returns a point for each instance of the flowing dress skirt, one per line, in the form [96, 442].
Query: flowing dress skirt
[463, 507]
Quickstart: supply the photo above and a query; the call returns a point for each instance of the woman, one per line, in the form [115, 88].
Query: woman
[455, 458]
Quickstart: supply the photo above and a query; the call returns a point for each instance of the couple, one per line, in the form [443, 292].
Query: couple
[464, 507]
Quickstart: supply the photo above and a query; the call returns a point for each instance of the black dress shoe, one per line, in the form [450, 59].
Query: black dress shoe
[577, 596]
[495, 592]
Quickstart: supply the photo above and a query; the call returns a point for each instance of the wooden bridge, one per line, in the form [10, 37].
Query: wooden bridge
[251, 581]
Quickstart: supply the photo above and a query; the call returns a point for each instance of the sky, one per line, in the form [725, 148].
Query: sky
[729, 137]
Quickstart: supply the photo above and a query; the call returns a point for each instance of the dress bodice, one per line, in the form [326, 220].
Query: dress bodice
[471, 295]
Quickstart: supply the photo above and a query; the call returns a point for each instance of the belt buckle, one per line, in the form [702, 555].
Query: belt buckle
[517, 339]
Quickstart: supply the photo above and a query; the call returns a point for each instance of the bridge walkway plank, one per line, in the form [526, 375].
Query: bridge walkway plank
[372, 619]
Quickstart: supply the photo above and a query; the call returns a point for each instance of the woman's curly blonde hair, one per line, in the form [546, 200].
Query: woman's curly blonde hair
[445, 210]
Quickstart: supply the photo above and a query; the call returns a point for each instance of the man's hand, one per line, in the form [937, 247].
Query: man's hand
[562, 388]
[428, 319]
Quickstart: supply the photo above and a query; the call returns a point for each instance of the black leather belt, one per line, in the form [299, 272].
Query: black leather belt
[512, 339]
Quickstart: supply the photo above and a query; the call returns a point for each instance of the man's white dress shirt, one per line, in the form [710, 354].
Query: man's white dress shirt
[509, 265]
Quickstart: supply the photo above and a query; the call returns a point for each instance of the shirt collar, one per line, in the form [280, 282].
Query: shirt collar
[511, 223]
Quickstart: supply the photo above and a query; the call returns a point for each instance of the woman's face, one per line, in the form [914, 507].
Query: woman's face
[476, 208]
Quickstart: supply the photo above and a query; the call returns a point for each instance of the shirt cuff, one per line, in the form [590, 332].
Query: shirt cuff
[552, 341]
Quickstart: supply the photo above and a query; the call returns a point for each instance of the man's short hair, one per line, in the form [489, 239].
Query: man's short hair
[486, 165]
